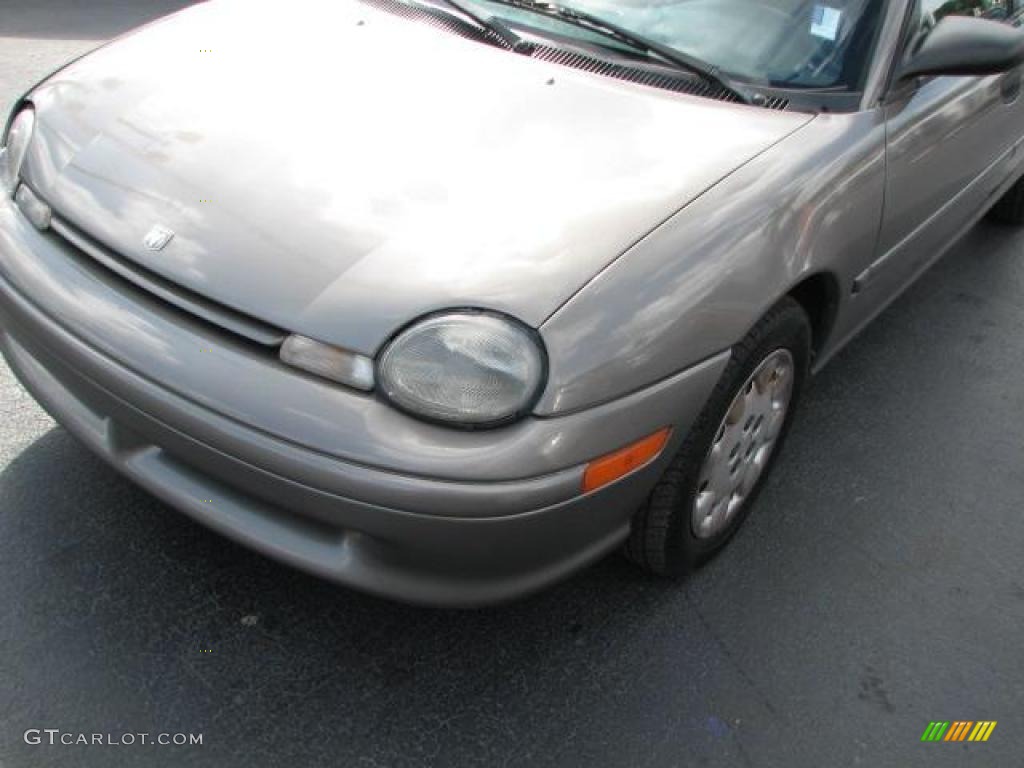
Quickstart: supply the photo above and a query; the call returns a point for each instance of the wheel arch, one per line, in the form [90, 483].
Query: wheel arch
[818, 295]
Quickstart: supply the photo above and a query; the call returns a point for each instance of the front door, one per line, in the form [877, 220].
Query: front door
[949, 149]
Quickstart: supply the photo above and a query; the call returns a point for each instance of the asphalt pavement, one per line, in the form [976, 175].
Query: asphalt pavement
[878, 586]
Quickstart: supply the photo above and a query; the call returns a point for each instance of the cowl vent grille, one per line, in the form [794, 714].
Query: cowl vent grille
[775, 102]
[439, 20]
[668, 82]
[679, 83]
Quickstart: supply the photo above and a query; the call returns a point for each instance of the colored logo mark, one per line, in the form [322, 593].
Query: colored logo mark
[958, 730]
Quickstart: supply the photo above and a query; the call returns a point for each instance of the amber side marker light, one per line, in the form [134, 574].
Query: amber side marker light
[612, 466]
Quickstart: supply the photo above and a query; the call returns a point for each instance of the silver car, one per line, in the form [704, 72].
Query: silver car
[445, 299]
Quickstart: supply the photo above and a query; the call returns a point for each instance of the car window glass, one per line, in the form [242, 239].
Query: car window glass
[928, 13]
[931, 12]
[789, 43]
[989, 9]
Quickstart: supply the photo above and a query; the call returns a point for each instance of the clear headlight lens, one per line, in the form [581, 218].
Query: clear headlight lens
[468, 368]
[13, 153]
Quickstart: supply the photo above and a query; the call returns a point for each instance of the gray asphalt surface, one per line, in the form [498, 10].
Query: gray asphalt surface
[878, 586]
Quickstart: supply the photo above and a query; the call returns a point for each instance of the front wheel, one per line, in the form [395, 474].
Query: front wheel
[708, 489]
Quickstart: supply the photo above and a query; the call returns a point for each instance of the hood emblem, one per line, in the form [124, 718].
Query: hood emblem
[157, 238]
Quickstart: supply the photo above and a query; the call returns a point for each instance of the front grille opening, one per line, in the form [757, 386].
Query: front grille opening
[188, 301]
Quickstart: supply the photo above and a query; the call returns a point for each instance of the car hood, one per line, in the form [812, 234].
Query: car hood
[337, 171]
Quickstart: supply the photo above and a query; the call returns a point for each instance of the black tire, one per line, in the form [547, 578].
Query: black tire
[662, 540]
[1010, 208]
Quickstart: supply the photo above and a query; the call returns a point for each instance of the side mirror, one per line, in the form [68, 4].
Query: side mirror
[961, 45]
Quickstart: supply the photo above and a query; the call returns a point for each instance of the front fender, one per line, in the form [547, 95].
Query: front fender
[694, 287]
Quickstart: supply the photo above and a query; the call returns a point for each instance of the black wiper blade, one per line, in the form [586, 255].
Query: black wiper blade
[668, 54]
[508, 38]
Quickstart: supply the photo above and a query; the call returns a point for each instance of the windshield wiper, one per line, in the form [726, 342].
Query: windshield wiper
[509, 38]
[610, 29]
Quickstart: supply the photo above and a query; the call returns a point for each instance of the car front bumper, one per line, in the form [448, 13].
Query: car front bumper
[326, 479]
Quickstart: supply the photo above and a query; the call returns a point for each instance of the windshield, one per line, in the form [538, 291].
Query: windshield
[786, 43]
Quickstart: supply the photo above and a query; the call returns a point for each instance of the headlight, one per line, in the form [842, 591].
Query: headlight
[13, 153]
[468, 368]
